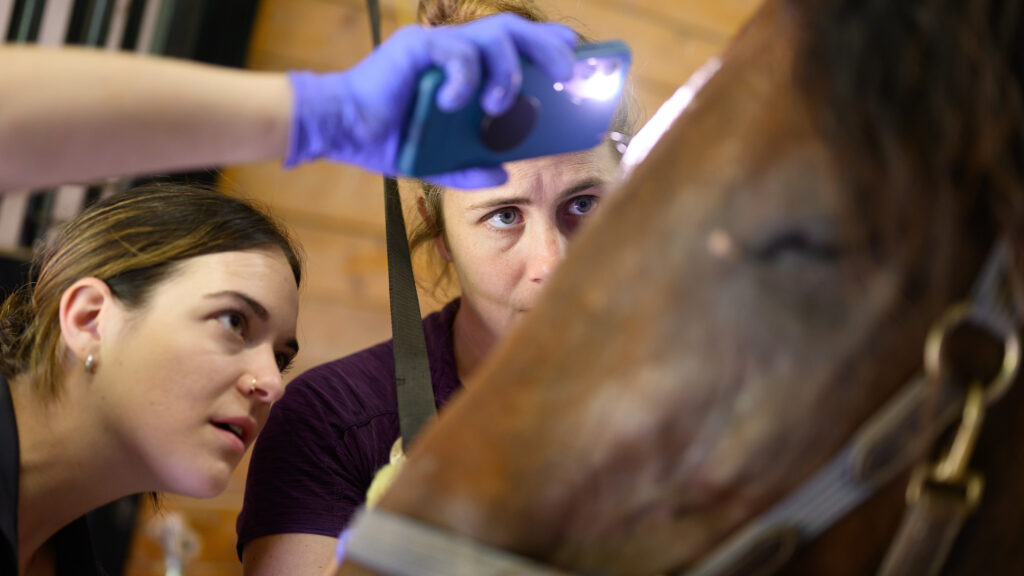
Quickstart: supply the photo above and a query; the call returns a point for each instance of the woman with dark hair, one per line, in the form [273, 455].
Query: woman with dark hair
[143, 358]
[332, 432]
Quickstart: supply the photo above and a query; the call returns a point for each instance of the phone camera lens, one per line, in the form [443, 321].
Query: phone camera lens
[501, 133]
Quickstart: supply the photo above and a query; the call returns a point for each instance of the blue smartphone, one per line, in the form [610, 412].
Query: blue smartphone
[547, 117]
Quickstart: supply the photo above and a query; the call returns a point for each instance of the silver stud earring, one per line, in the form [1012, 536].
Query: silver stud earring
[90, 364]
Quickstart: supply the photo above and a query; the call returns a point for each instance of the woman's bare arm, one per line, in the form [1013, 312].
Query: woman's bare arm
[293, 554]
[75, 115]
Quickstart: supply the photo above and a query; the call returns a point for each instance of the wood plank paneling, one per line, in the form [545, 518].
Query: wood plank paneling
[331, 330]
[321, 194]
[328, 35]
[669, 39]
[715, 20]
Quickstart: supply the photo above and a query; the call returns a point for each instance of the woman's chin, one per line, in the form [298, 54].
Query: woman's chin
[201, 484]
[208, 490]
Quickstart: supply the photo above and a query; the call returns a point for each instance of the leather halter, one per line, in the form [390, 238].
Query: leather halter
[880, 450]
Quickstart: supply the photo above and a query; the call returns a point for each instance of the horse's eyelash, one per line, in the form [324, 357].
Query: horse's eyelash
[794, 241]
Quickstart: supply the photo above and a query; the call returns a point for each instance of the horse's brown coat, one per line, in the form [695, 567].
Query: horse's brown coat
[714, 337]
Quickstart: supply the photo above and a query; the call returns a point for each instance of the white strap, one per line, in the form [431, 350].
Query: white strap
[397, 546]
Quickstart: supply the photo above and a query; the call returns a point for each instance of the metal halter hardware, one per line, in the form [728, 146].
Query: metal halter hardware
[941, 495]
[951, 472]
[874, 456]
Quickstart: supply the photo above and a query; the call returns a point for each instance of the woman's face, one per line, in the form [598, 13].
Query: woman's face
[174, 378]
[505, 242]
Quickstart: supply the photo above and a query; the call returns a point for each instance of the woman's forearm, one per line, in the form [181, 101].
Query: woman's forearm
[76, 115]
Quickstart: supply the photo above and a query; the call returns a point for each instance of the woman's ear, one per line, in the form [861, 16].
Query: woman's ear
[84, 306]
[439, 241]
[421, 206]
[442, 247]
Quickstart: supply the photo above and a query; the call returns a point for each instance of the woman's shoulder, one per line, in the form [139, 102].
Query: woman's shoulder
[358, 385]
[354, 370]
[362, 385]
[437, 326]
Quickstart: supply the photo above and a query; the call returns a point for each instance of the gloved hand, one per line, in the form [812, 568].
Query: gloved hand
[357, 116]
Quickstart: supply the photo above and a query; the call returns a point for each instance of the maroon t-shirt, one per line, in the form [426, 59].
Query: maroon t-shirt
[330, 433]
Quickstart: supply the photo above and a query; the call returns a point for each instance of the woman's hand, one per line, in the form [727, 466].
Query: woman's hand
[357, 116]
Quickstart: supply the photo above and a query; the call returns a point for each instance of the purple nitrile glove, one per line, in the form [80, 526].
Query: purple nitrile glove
[357, 116]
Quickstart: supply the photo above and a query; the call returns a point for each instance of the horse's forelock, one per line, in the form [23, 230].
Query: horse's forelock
[922, 99]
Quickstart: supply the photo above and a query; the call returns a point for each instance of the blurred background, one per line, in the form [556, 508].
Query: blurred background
[337, 212]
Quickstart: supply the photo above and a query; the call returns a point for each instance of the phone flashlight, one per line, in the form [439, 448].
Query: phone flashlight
[546, 118]
[594, 79]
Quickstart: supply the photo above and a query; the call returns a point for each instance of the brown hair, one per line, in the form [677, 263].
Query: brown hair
[449, 12]
[133, 241]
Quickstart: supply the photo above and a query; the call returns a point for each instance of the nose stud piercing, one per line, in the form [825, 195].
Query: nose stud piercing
[252, 386]
[90, 364]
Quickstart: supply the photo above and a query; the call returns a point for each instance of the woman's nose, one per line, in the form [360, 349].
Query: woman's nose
[269, 389]
[264, 382]
[547, 250]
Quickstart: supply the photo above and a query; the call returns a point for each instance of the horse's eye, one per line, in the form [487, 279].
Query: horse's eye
[795, 243]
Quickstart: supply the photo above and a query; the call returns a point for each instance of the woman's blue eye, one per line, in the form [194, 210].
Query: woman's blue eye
[582, 204]
[505, 217]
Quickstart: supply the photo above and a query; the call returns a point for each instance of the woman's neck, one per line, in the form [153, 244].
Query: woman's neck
[66, 468]
[472, 340]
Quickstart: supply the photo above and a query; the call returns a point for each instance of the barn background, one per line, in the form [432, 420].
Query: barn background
[335, 211]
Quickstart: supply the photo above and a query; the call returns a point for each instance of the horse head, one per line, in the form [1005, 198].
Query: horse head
[759, 286]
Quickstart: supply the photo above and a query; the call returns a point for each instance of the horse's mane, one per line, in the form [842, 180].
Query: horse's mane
[923, 97]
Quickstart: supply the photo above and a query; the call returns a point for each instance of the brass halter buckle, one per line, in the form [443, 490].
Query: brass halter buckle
[951, 475]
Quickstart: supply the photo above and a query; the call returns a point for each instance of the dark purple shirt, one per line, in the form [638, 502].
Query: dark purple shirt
[330, 433]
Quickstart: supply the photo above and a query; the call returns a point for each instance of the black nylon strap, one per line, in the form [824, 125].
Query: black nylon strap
[374, 8]
[412, 368]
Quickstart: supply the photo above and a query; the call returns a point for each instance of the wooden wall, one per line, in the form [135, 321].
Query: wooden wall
[337, 211]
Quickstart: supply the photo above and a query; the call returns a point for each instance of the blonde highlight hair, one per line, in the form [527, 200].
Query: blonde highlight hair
[132, 241]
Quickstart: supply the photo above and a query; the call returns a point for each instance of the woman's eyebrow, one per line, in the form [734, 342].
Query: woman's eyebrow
[502, 201]
[592, 182]
[582, 185]
[258, 309]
